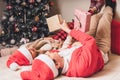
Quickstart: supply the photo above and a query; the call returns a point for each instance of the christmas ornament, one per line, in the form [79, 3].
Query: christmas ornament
[34, 29]
[31, 6]
[31, 1]
[36, 4]
[51, 3]
[4, 17]
[9, 7]
[3, 43]
[23, 3]
[23, 40]
[18, 1]
[2, 32]
[11, 18]
[23, 27]
[46, 14]
[37, 18]
[38, 1]
[17, 29]
[12, 41]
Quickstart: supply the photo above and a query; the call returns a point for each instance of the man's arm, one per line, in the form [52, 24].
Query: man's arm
[77, 34]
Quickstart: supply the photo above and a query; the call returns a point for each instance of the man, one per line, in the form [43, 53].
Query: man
[82, 60]
[100, 28]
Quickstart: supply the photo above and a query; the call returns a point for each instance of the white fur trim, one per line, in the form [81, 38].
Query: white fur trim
[47, 60]
[66, 65]
[26, 68]
[14, 66]
[26, 53]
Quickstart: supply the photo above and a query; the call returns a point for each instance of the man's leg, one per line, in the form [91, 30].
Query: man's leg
[94, 24]
[103, 34]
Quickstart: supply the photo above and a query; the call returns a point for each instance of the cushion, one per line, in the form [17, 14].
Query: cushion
[61, 35]
[115, 37]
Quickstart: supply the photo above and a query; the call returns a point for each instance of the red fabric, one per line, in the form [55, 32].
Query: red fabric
[19, 58]
[40, 71]
[62, 34]
[115, 37]
[87, 59]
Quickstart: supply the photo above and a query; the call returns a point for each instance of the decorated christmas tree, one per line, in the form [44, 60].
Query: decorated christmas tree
[24, 21]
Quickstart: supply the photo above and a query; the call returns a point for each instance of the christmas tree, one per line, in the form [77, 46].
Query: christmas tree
[24, 21]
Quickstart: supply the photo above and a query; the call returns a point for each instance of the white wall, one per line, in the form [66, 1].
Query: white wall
[67, 7]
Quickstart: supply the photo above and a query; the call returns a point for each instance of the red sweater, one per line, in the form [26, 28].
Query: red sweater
[87, 59]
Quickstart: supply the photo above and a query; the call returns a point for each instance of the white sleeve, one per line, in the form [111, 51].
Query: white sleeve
[67, 42]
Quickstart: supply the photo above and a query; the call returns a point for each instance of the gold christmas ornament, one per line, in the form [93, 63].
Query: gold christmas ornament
[3, 43]
[37, 18]
[17, 29]
[23, 3]
[3, 32]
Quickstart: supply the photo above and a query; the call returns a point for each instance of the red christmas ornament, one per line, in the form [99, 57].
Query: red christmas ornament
[51, 3]
[34, 29]
[9, 7]
[31, 1]
[16, 28]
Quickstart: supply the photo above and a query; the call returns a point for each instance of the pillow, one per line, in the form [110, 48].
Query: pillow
[61, 35]
[115, 36]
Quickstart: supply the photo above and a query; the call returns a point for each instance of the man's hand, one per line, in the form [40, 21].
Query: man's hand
[64, 27]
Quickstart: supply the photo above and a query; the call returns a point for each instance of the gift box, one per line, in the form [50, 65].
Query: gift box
[82, 19]
[53, 22]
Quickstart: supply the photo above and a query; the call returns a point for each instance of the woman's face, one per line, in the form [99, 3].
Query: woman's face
[57, 59]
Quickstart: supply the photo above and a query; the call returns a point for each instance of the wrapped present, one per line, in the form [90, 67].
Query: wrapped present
[53, 22]
[82, 19]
